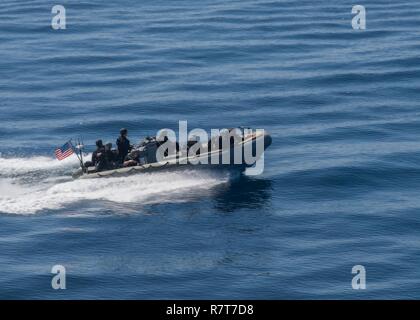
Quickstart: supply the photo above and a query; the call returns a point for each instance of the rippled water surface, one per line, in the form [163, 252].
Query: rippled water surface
[341, 181]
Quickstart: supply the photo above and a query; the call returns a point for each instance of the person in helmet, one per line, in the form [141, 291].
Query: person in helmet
[123, 145]
[100, 149]
[101, 158]
[96, 154]
[111, 156]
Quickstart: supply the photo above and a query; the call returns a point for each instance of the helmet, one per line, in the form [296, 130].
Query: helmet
[123, 131]
[99, 143]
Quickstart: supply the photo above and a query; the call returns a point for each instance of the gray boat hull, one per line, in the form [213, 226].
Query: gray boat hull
[215, 160]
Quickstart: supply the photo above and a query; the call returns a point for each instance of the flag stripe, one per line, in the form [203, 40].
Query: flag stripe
[64, 154]
[65, 151]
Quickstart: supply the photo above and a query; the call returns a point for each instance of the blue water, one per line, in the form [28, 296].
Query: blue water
[341, 180]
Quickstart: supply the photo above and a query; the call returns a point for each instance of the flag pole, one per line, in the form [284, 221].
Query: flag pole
[81, 152]
[78, 157]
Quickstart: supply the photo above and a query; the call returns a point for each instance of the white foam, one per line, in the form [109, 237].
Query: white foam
[20, 166]
[51, 193]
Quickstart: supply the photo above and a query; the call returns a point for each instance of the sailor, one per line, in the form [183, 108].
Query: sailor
[132, 159]
[123, 145]
[110, 156]
[97, 153]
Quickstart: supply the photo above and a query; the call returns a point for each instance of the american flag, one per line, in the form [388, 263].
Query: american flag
[65, 151]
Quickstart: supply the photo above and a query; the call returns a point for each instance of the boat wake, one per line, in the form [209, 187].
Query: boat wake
[37, 184]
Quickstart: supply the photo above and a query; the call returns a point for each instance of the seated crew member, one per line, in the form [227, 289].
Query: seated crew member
[110, 156]
[116, 158]
[123, 145]
[106, 159]
[102, 163]
[100, 148]
[96, 154]
[132, 159]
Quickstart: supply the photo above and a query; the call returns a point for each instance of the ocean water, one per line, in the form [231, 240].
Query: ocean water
[341, 181]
